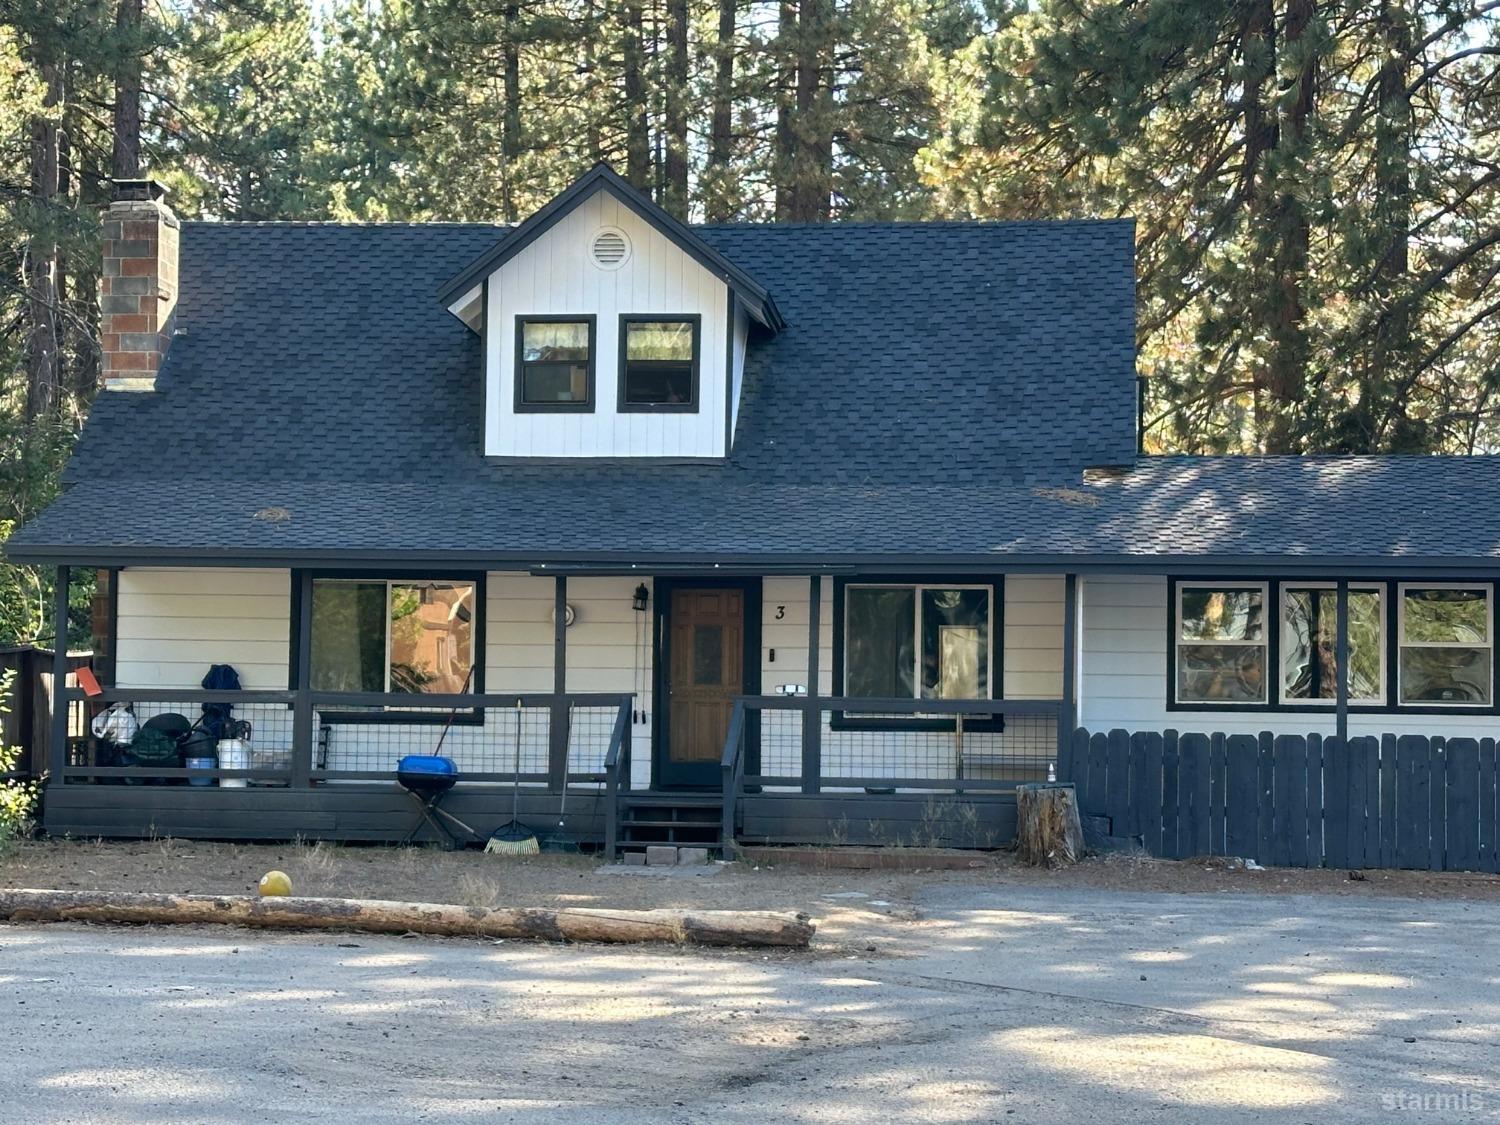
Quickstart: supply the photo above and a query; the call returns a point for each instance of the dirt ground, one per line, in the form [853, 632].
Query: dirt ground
[864, 911]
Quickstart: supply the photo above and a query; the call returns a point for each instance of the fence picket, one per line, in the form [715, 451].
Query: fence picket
[1364, 806]
[1265, 805]
[1414, 816]
[1315, 844]
[1117, 801]
[1147, 775]
[1099, 773]
[1437, 804]
[1462, 846]
[1193, 785]
[1489, 807]
[1289, 765]
[1076, 769]
[1240, 767]
[1336, 812]
[1171, 798]
[1217, 796]
[1387, 801]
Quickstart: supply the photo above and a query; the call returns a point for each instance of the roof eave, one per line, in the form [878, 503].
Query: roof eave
[757, 298]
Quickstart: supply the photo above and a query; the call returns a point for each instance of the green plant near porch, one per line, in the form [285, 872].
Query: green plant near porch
[17, 798]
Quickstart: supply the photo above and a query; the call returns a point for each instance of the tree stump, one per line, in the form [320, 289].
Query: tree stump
[1048, 829]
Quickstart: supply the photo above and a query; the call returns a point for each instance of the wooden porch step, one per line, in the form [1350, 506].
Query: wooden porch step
[682, 800]
[714, 824]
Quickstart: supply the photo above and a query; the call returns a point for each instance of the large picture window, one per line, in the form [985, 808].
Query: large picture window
[917, 641]
[658, 363]
[1221, 643]
[415, 636]
[1446, 645]
[1309, 639]
[554, 363]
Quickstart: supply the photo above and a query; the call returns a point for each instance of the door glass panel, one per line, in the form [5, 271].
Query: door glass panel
[708, 654]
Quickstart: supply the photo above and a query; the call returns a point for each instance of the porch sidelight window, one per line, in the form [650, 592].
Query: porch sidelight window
[1446, 645]
[1221, 642]
[1309, 643]
[554, 363]
[658, 363]
[392, 636]
[924, 642]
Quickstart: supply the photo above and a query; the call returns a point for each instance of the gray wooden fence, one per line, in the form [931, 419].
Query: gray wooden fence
[1408, 801]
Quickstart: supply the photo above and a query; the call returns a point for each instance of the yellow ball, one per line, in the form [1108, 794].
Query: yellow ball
[275, 883]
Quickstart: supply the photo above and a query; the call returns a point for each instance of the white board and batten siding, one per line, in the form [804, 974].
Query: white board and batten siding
[556, 275]
[1123, 676]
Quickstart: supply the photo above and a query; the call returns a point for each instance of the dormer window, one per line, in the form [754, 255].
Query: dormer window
[554, 363]
[659, 363]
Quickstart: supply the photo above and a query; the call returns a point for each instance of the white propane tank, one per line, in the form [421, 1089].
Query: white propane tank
[234, 754]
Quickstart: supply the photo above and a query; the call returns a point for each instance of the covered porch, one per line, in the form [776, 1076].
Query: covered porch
[616, 709]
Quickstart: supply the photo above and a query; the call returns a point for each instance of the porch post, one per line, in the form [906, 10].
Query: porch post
[1067, 720]
[812, 713]
[1341, 660]
[557, 723]
[302, 706]
[57, 748]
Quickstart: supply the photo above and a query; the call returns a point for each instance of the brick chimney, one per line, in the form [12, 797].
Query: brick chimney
[138, 290]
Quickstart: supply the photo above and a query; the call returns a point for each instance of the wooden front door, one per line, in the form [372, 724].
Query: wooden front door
[705, 671]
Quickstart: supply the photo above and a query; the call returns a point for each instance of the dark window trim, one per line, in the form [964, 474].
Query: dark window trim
[839, 720]
[1275, 704]
[584, 407]
[690, 407]
[470, 717]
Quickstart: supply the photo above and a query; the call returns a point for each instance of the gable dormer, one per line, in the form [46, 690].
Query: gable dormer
[610, 330]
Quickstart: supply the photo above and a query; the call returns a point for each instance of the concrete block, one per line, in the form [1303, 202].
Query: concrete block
[687, 856]
[633, 859]
[661, 855]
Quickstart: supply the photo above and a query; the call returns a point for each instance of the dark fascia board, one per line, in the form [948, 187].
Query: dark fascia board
[621, 562]
[602, 177]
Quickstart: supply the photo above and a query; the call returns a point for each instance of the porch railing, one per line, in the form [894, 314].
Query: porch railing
[814, 744]
[305, 739]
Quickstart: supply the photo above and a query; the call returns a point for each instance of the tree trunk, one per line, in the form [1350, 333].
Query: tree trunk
[637, 126]
[125, 163]
[1290, 352]
[681, 927]
[675, 166]
[721, 122]
[1393, 204]
[42, 395]
[510, 122]
[812, 153]
[788, 36]
[1049, 831]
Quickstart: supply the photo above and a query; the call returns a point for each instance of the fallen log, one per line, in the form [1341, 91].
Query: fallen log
[1048, 831]
[680, 927]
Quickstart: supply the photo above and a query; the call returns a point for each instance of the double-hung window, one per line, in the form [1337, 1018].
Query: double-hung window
[554, 363]
[659, 363]
[1221, 641]
[402, 635]
[1309, 642]
[918, 641]
[1446, 644]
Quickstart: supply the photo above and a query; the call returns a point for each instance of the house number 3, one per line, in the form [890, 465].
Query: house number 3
[780, 612]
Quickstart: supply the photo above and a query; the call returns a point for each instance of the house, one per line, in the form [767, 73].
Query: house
[788, 532]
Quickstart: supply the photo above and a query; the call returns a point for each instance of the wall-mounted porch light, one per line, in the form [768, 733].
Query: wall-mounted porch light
[640, 598]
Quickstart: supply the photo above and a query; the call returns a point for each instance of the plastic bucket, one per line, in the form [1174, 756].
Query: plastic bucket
[234, 754]
[200, 764]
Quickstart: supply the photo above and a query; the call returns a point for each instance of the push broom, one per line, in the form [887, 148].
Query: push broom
[513, 837]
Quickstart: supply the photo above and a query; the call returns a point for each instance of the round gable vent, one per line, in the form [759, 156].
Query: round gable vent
[611, 248]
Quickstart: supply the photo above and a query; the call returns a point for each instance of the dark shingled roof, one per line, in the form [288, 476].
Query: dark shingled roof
[936, 396]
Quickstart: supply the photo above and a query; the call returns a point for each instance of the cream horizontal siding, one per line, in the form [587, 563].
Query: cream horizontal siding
[555, 275]
[175, 622]
[1032, 652]
[1124, 676]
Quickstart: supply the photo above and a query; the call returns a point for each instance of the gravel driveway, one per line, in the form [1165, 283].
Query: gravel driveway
[1051, 1006]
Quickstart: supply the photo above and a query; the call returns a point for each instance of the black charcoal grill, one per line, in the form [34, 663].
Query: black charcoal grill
[429, 778]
